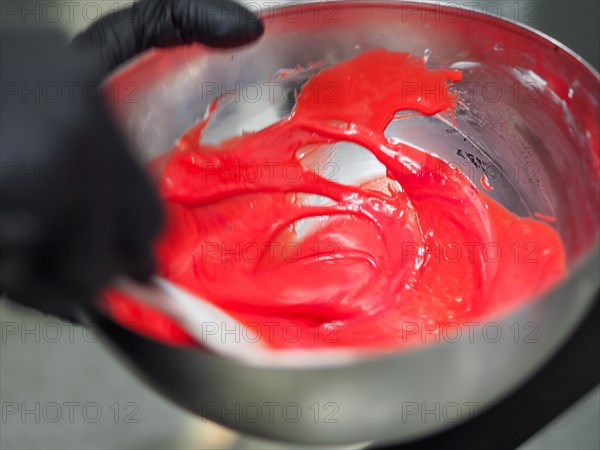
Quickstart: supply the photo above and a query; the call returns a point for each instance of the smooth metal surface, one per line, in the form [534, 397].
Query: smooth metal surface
[545, 157]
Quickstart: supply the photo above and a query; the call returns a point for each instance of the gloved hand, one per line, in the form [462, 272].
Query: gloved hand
[76, 209]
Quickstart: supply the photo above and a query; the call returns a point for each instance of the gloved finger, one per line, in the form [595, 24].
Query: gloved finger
[122, 35]
[49, 300]
[131, 203]
[217, 23]
[34, 275]
[136, 260]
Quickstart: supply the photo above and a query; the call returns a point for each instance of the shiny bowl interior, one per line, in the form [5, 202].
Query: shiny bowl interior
[527, 119]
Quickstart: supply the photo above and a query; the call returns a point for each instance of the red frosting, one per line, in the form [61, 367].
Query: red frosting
[421, 246]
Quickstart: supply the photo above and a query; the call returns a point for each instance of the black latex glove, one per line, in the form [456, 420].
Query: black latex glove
[76, 209]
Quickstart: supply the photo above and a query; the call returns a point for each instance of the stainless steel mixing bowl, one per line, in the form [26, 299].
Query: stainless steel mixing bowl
[528, 118]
